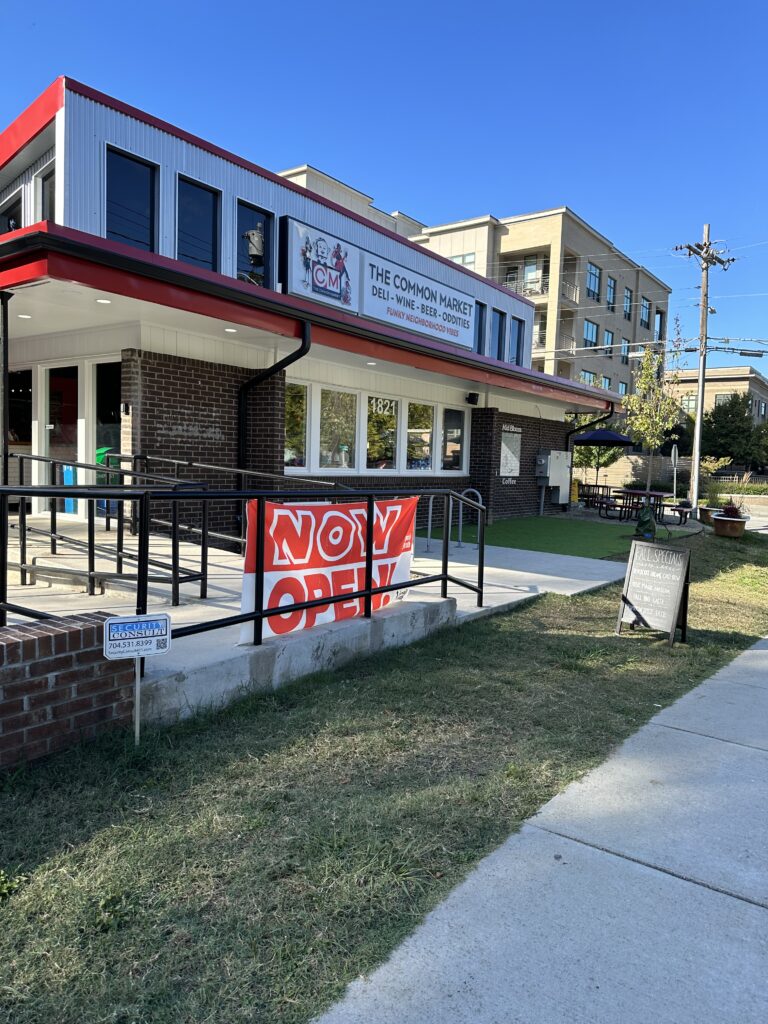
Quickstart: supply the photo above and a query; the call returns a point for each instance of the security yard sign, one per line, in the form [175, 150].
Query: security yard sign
[137, 637]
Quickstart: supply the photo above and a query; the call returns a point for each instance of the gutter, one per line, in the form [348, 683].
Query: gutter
[586, 426]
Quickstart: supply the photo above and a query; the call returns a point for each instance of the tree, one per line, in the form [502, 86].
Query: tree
[728, 431]
[651, 410]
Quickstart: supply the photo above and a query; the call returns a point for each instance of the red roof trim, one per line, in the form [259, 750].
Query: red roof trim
[209, 147]
[31, 121]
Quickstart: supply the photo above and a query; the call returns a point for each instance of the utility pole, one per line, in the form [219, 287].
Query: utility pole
[707, 257]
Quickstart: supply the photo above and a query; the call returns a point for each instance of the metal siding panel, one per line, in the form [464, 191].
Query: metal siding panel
[91, 127]
[25, 182]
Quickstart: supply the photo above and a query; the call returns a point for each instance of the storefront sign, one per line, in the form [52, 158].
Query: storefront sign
[511, 448]
[316, 551]
[402, 298]
[323, 268]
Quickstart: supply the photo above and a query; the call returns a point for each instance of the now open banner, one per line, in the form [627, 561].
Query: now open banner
[316, 551]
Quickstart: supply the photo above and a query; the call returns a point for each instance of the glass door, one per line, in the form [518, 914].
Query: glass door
[61, 428]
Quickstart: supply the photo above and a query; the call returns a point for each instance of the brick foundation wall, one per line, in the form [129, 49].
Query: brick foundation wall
[56, 688]
[520, 497]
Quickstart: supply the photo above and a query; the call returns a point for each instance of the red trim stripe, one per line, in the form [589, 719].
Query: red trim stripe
[31, 121]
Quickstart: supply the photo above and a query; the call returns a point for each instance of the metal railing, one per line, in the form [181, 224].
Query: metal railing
[569, 290]
[145, 566]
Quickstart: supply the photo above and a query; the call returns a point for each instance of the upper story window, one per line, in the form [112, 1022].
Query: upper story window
[131, 201]
[689, 402]
[517, 340]
[10, 215]
[659, 330]
[466, 259]
[722, 398]
[625, 351]
[594, 276]
[45, 195]
[498, 331]
[606, 383]
[623, 388]
[587, 377]
[480, 312]
[645, 312]
[254, 245]
[610, 294]
[608, 343]
[590, 334]
[627, 303]
[197, 239]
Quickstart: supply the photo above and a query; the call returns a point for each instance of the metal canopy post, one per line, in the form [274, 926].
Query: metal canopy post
[5, 415]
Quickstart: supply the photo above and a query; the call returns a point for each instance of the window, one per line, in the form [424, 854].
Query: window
[627, 303]
[610, 294]
[608, 344]
[594, 275]
[10, 216]
[131, 201]
[295, 451]
[762, 409]
[587, 377]
[197, 238]
[517, 340]
[254, 245]
[498, 329]
[721, 399]
[48, 196]
[689, 402]
[645, 313]
[466, 259]
[381, 449]
[511, 279]
[625, 351]
[421, 428]
[605, 382]
[480, 311]
[338, 429]
[453, 439]
[660, 330]
[590, 334]
[622, 388]
[20, 407]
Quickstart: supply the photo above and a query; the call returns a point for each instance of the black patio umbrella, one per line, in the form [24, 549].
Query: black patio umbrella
[604, 439]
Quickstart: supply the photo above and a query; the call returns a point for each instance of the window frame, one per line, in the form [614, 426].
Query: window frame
[313, 467]
[583, 374]
[216, 269]
[594, 273]
[269, 242]
[627, 305]
[626, 345]
[623, 388]
[39, 180]
[499, 344]
[645, 307]
[587, 343]
[155, 193]
[604, 377]
[610, 294]
[608, 345]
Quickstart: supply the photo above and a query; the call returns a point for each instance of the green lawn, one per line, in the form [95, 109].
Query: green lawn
[558, 534]
[246, 866]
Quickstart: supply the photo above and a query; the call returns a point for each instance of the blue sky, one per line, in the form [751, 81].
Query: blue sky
[647, 120]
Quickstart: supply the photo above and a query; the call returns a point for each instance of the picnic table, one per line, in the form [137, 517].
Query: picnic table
[633, 499]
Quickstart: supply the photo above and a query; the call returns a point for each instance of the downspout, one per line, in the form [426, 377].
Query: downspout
[576, 430]
[247, 386]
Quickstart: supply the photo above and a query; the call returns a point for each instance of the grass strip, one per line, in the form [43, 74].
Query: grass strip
[245, 866]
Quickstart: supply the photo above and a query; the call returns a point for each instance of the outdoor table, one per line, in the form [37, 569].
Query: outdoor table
[633, 500]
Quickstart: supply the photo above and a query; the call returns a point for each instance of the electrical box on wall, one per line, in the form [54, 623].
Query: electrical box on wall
[553, 469]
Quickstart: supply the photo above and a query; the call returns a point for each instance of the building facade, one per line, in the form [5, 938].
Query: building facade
[154, 281]
[720, 384]
[593, 306]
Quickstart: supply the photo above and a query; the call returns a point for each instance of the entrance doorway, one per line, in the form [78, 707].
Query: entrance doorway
[60, 434]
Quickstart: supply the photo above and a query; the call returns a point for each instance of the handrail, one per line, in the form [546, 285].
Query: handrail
[467, 490]
[191, 493]
[94, 466]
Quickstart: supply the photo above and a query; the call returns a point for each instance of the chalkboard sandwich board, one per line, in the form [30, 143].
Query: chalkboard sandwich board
[655, 593]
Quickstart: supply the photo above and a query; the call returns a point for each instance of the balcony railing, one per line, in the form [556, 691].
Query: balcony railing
[530, 287]
[566, 343]
[569, 290]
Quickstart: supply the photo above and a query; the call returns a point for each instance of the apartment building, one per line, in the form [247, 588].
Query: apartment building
[720, 384]
[594, 306]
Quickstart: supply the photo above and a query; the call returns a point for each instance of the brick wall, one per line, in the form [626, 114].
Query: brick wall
[521, 496]
[56, 688]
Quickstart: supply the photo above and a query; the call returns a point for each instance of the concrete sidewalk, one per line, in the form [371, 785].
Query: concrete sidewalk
[638, 895]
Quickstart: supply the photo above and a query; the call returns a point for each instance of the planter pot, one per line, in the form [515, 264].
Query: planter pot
[705, 514]
[726, 526]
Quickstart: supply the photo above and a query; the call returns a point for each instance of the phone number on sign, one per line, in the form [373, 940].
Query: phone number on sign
[134, 642]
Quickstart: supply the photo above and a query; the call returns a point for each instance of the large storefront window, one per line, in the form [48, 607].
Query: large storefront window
[338, 429]
[295, 425]
[253, 244]
[453, 439]
[382, 433]
[131, 200]
[421, 427]
[198, 225]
